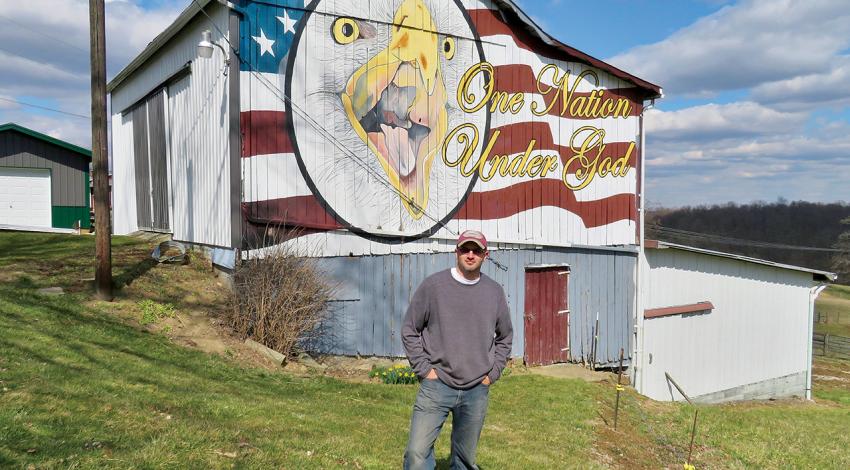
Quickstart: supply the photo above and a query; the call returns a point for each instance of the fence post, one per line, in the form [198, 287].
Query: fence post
[825, 343]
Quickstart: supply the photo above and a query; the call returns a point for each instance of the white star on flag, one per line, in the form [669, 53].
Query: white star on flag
[265, 43]
[288, 23]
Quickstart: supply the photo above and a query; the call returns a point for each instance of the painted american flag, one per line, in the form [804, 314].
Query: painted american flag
[521, 209]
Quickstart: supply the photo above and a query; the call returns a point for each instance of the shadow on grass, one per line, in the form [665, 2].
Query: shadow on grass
[59, 327]
[133, 272]
[445, 464]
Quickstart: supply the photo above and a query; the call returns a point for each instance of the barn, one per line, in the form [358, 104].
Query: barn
[44, 181]
[370, 134]
[375, 136]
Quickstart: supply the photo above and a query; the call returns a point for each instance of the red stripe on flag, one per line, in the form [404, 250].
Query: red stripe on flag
[520, 78]
[514, 139]
[505, 202]
[297, 211]
[261, 138]
[264, 132]
[488, 23]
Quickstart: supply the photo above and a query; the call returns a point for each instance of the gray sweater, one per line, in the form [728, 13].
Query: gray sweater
[462, 331]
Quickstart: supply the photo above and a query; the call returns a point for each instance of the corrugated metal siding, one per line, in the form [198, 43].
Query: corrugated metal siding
[757, 331]
[141, 141]
[198, 149]
[527, 210]
[158, 161]
[123, 179]
[67, 168]
[375, 291]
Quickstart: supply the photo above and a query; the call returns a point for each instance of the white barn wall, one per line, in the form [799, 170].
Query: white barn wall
[123, 181]
[753, 344]
[198, 148]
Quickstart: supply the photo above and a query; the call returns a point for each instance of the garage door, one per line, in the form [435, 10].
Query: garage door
[25, 197]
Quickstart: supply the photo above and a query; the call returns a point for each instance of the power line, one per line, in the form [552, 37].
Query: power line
[29, 29]
[737, 241]
[44, 108]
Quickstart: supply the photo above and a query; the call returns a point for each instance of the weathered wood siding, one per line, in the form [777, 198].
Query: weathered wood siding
[375, 292]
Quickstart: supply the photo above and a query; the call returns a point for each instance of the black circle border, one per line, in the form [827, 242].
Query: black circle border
[389, 239]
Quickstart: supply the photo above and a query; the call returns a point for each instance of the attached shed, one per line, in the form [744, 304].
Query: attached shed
[44, 181]
[724, 327]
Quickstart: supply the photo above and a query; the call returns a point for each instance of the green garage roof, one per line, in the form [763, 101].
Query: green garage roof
[38, 135]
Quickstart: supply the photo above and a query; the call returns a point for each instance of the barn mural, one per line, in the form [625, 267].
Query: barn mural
[403, 119]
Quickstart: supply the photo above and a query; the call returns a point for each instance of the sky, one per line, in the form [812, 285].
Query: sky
[756, 100]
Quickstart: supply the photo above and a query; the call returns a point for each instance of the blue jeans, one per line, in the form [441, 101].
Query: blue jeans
[433, 403]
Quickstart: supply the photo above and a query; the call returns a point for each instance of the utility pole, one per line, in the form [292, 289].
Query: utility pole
[100, 158]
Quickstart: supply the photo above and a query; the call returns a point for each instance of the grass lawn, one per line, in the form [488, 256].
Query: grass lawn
[84, 385]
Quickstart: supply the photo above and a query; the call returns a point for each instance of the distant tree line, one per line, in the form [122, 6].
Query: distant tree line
[807, 232]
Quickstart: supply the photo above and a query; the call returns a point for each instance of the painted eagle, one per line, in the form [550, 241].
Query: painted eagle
[378, 82]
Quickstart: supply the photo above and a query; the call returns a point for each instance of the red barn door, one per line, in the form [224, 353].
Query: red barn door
[546, 314]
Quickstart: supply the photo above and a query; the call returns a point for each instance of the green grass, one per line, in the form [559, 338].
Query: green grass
[82, 386]
[833, 305]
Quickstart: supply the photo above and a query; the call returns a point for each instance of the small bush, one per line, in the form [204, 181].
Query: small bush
[152, 312]
[397, 374]
[279, 300]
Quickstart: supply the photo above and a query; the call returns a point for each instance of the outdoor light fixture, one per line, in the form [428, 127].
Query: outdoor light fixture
[205, 49]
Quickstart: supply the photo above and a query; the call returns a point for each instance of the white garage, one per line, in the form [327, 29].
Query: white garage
[44, 181]
[25, 197]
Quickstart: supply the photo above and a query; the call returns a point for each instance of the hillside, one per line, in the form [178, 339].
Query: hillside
[86, 384]
[732, 228]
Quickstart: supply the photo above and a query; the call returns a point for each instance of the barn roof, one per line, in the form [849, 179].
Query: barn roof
[46, 138]
[818, 275]
[509, 10]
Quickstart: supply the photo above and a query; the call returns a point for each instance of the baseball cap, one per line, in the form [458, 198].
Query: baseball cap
[473, 236]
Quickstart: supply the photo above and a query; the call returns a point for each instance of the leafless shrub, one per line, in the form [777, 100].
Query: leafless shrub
[279, 299]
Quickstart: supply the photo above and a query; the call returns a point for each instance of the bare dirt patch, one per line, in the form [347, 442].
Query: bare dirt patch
[573, 371]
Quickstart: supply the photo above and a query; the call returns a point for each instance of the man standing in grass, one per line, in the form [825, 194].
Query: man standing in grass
[457, 334]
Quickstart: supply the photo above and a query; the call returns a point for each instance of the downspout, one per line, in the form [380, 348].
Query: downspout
[813, 295]
[637, 351]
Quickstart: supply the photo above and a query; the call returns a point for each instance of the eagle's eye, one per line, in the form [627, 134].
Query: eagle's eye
[449, 48]
[345, 30]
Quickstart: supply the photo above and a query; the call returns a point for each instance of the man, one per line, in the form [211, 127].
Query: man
[457, 334]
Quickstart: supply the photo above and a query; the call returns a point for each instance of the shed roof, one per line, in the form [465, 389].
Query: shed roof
[508, 8]
[46, 138]
[818, 275]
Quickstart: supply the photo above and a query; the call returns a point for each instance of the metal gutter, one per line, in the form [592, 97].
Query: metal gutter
[814, 292]
[824, 275]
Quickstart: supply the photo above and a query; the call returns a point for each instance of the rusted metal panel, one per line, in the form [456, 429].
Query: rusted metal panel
[368, 313]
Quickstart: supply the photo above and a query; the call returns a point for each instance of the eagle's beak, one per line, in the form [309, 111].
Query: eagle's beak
[396, 103]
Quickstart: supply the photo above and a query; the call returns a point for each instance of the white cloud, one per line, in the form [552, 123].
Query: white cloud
[745, 45]
[744, 152]
[713, 121]
[44, 46]
[830, 88]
